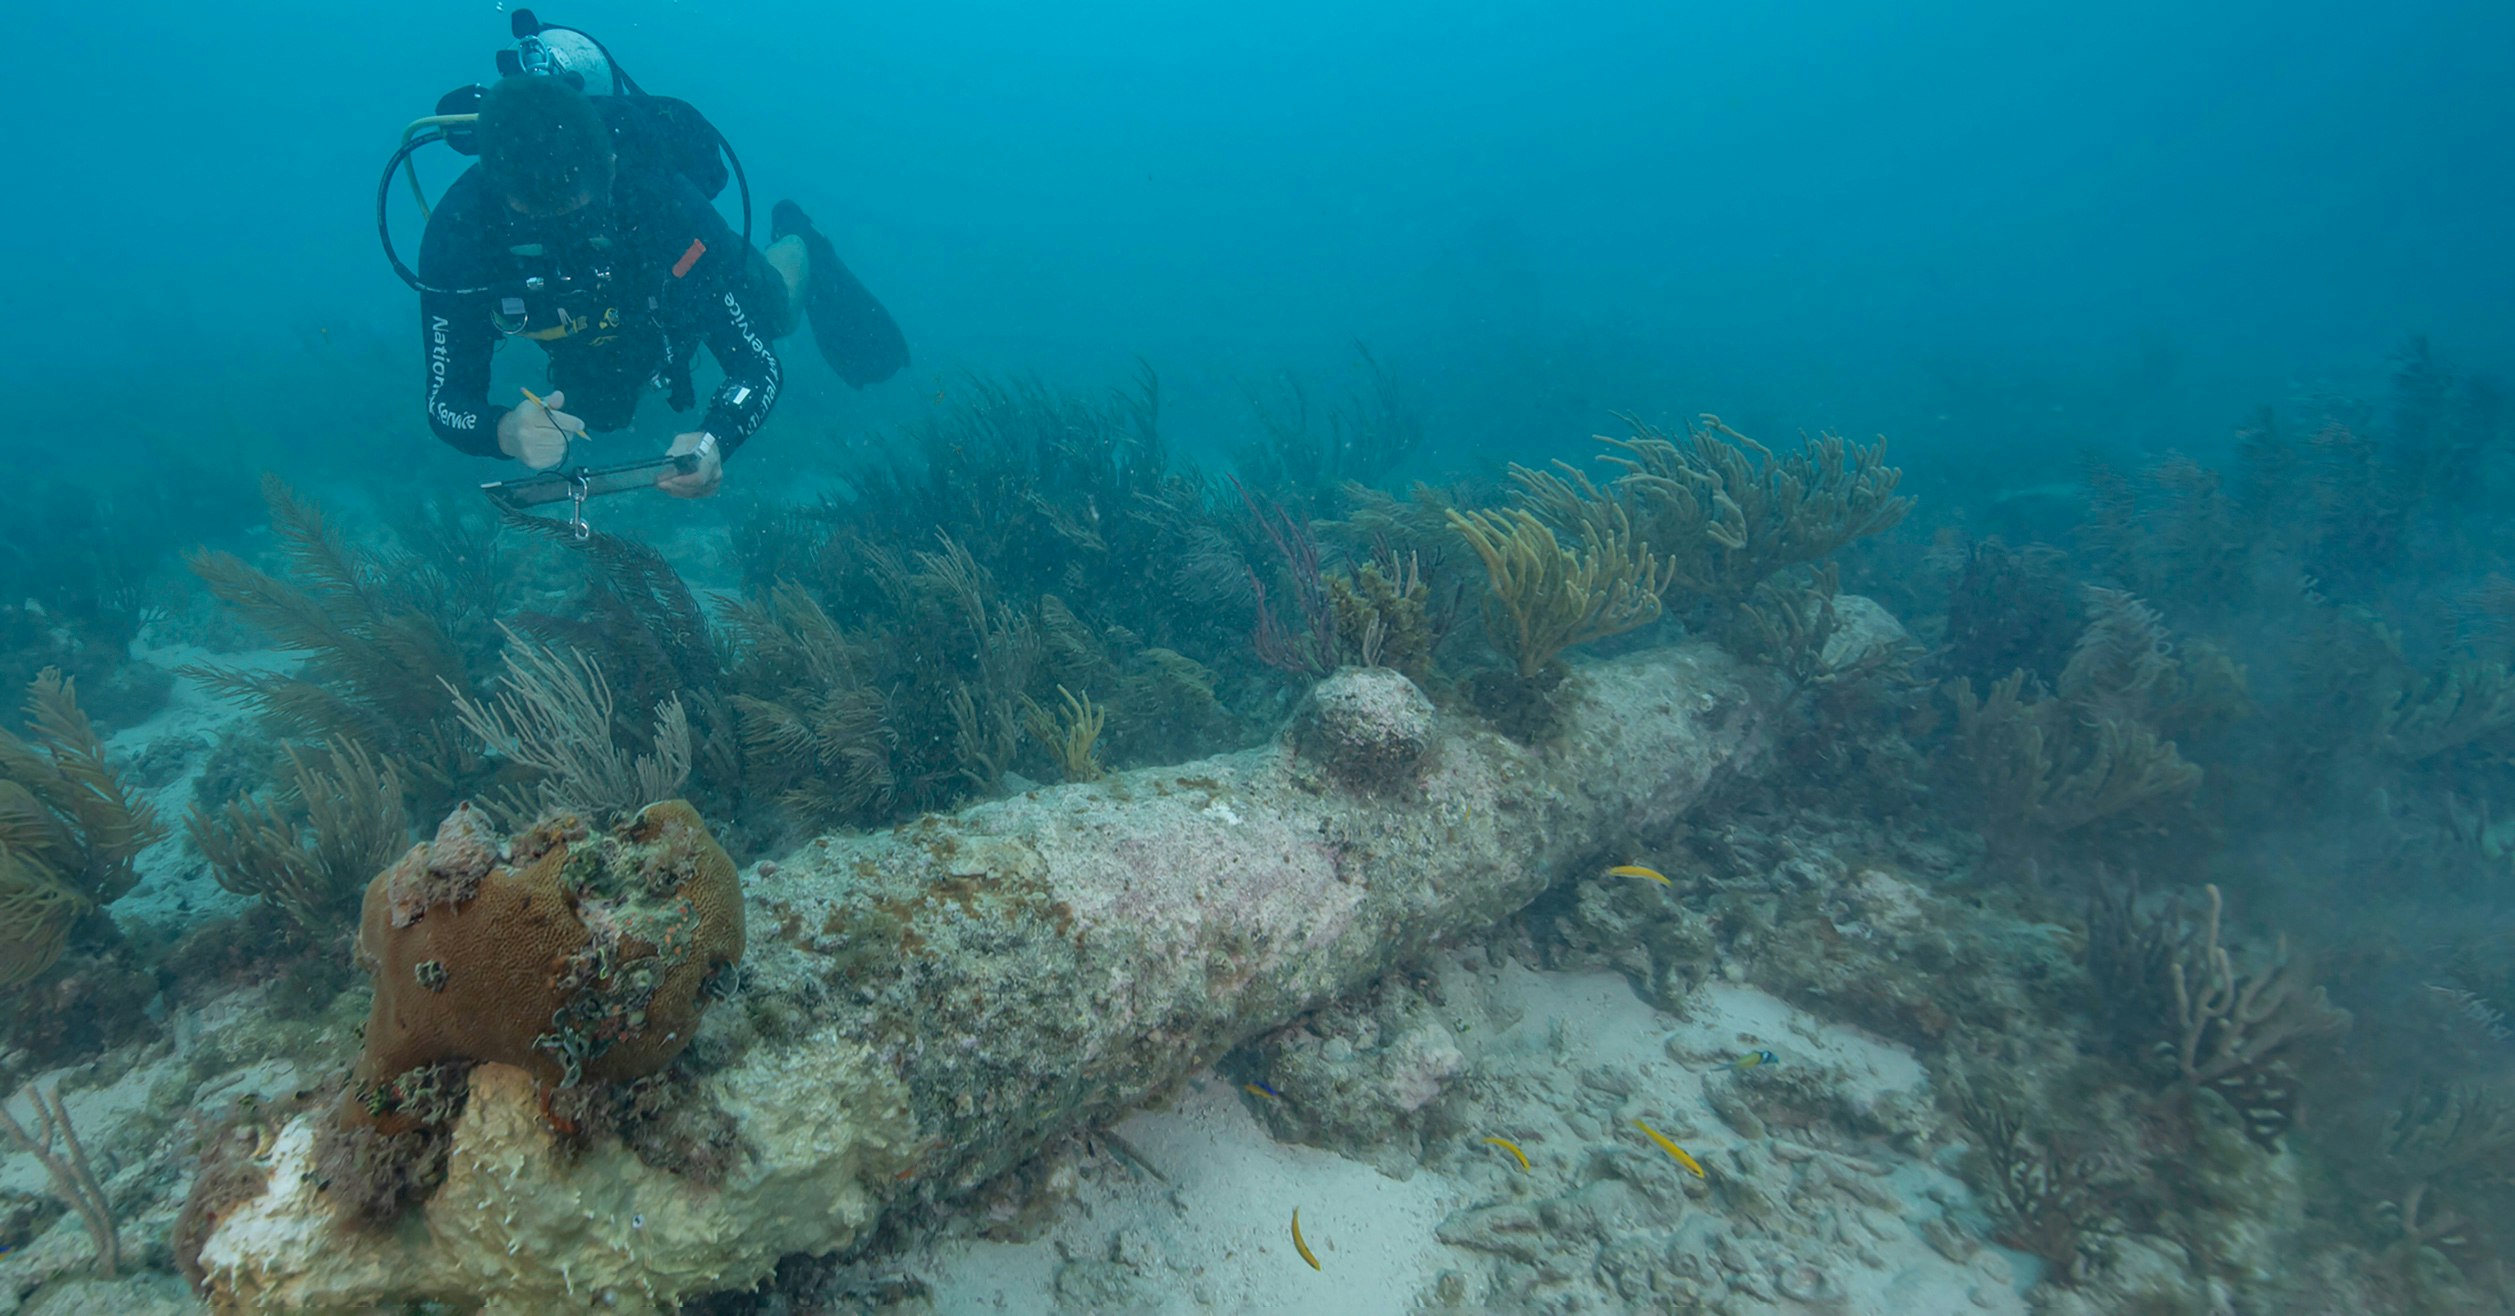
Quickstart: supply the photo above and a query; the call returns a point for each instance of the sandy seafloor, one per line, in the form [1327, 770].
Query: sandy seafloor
[1188, 1209]
[1216, 1237]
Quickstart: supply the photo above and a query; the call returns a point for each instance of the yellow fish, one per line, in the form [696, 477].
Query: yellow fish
[1513, 1148]
[1672, 1149]
[1636, 870]
[1297, 1244]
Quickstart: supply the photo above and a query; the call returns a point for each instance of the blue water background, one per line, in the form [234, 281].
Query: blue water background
[1987, 230]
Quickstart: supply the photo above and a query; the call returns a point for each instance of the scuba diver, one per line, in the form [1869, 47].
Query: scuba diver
[589, 227]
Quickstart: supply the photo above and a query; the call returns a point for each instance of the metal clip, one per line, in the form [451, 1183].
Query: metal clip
[579, 489]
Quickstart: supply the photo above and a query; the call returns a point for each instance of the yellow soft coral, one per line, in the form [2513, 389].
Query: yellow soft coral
[35, 915]
[69, 828]
[1727, 513]
[1071, 733]
[1545, 598]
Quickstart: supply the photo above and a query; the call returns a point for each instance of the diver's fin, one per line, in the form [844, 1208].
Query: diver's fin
[856, 336]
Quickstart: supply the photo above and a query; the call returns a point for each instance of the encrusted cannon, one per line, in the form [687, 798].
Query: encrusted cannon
[922, 1008]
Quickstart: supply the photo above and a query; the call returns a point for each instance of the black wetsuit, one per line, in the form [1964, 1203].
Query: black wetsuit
[679, 277]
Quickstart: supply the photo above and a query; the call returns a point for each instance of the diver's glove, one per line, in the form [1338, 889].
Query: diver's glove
[537, 433]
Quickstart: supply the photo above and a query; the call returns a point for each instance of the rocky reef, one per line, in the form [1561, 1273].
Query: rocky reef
[924, 1008]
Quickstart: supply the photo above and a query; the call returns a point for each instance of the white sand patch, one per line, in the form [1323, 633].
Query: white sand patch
[1221, 1232]
[174, 887]
[1733, 1021]
[1217, 1238]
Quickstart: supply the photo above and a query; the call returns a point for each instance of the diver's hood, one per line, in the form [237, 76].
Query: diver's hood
[568, 53]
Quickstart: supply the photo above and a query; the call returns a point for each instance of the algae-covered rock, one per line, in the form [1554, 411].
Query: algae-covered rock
[1368, 725]
[523, 1224]
[1360, 1076]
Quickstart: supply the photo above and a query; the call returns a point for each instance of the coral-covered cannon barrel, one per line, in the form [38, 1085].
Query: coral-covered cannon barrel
[923, 1007]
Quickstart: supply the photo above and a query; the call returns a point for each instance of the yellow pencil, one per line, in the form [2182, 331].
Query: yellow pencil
[549, 415]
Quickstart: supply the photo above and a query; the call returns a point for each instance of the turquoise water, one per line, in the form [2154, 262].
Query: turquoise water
[1244, 347]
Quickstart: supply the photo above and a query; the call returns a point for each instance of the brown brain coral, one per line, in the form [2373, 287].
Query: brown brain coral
[572, 957]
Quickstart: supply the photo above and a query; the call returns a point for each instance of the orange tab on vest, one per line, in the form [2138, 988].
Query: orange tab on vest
[689, 258]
